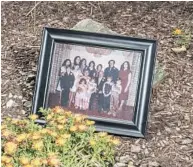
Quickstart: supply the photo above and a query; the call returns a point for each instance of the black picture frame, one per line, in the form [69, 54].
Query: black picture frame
[135, 128]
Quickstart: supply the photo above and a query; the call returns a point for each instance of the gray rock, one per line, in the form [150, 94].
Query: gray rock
[119, 164]
[93, 26]
[135, 148]
[125, 159]
[10, 103]
[28, 104]
[10, 95]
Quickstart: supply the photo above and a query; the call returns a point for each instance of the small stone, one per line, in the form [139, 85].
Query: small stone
[187, 141]
[20, 97]
[27, 104]
[30, 77]
[153, 164]
[125, 159]
[119, 164]
[130, 164]
[135, 149]
[23, 112]
[10, 95]
[117, 158]
[10, 103]
[15, 96]
[146, 151]
[189, 55]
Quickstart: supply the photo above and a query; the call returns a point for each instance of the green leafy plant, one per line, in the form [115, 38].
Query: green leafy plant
[182, 38]
[67, 140]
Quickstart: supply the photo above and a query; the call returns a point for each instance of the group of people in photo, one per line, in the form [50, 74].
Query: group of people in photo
[86, 86]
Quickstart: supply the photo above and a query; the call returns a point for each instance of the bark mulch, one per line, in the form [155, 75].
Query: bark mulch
[169, 138]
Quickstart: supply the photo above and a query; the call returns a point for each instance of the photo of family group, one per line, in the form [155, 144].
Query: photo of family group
[94, 81]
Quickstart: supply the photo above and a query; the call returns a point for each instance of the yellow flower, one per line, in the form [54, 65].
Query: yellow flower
[24, 160]
[68, 113]
[78, 118]
[177, 32]
[60, 127]
[115, 141]
[3, 126]
[53, 134]
[6, 133]
[102, 134]
[60, 141]
[9, 165]
[15, 121]
[88, 122]
[53, 161]
[57, 109]
[62, 121]
[36, 162]
[36, 136]
[66, 136]
[6, 159]
[38, 145]
[92, 142]
[73, 128]
[44, 161]
[10, 148]
[82, 128]
[21, 137]
[28, 165]
[33, 117]
[49, 117]
[44, 131]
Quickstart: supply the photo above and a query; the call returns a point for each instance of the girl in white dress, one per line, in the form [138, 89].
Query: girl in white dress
[77, 75]
[81, 95]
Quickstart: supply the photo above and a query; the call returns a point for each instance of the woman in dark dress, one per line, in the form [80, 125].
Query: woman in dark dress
[77, 61]
[98, 70]
[92, 70]
[125, 77]
[83, 65]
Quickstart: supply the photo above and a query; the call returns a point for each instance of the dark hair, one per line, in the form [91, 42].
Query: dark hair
[90, 64]
[75, 60]
[110, 61]
[64, 63]
[83, 79]
[122, 66]
[99, 65]
[82, 61]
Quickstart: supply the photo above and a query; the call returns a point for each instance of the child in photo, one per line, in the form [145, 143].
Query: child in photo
[81, 101]
[92, 87]
[116, 90]
[107, 90]
[77, 75]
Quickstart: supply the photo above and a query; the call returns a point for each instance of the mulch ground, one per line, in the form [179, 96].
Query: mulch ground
[169, 138]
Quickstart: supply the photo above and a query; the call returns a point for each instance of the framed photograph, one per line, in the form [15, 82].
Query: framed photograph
[107, 77]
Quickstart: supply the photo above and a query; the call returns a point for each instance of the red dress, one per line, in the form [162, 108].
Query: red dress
[123, 75]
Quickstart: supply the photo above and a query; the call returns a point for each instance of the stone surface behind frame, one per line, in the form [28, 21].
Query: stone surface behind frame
[90, 25]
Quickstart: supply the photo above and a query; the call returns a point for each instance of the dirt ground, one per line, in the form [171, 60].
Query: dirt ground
[169, 138]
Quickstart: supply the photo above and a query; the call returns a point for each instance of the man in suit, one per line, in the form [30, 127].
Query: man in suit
[100, 82]
[111, 71]
[67, 81]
